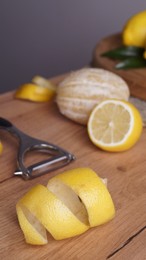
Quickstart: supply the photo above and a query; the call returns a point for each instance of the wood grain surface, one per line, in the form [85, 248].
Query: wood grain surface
[122, 238]
[136, 78]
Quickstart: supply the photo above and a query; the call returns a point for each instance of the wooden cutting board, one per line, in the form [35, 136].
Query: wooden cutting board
[122, 238]
[136, 78]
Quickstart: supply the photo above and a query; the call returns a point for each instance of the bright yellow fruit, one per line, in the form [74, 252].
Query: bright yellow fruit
[91, 190]
[115, 125]
[134, 31]
[51, 212]
[34, 92]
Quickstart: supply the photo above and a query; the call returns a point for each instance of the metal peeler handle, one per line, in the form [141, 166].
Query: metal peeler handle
[27, 143]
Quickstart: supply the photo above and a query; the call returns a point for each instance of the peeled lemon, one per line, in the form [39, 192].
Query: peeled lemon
[115, 125]
[134, 31]
[82, 90]
[71, 203]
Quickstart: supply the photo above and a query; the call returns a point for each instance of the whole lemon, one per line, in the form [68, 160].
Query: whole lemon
[134, 31]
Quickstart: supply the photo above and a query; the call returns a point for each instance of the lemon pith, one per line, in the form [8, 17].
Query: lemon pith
[115, 125]
[33, 230]
[41, 81]
[71, 203]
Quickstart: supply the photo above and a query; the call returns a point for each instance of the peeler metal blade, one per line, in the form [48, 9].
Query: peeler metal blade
[57, 157]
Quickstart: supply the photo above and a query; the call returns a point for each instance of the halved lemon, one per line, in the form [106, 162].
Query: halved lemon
[115, 125]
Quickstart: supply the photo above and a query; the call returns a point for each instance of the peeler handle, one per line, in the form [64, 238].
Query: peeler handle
[4, 123]
[26, 141]
[8, 126]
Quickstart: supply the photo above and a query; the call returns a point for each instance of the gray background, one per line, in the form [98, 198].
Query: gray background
[50, 37]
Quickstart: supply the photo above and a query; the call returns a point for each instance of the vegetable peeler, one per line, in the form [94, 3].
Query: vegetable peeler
[58, 157]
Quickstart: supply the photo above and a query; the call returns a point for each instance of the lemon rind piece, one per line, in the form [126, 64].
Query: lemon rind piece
[90, 189]
[31, 234]
[52, 213]
[33, 92]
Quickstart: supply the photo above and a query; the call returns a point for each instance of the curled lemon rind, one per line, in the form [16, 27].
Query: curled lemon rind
[71, 203]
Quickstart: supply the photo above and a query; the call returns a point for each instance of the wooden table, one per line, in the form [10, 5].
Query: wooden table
[122, 238]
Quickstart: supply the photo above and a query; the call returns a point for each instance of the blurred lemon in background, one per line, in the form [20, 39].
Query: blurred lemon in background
[134, 31]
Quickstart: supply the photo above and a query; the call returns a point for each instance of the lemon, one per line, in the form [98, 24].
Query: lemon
[115, 125]
[71, 203]
[134, 31]
[35, 92]
[92, 192]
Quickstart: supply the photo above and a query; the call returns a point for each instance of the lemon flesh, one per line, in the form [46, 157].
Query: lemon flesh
[35, 92]
[115, 125]
[92, 192]
[134, 31]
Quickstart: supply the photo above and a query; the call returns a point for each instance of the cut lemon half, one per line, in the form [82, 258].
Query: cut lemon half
[34, 92]
[91, 191]
[115, 125]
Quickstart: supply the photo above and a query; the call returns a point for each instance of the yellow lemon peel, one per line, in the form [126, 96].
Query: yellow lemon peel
[71, 203]
[40, 90]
